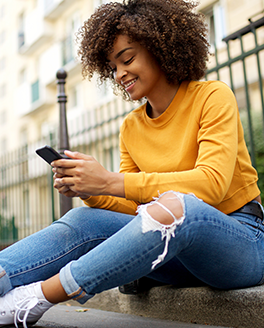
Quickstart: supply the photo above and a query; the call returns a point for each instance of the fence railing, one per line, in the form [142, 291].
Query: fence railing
[28, 201]
[239, 65]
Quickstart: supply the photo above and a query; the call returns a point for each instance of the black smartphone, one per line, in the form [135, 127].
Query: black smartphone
[49, 154]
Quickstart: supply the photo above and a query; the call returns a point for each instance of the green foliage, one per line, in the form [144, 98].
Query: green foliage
[8, 230]
[258, 138]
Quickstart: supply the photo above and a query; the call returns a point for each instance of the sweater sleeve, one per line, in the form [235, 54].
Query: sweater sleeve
[212, 173]
[117, 204]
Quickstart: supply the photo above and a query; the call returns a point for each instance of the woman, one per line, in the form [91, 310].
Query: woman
[184, 208]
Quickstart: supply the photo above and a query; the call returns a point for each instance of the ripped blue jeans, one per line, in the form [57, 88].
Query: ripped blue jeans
[95, 250]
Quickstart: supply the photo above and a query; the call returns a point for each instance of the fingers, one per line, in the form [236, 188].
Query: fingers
[64, 181]
[83, 175]
[76, 155]
[67, 192]
[57, 175]
[62, 188]
[63, 163]
[61, 172]
[70, 163]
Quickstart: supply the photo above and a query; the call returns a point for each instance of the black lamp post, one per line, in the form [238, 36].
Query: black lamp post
[63, 144]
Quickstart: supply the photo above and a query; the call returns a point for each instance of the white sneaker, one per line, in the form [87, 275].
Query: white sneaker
[25, 304]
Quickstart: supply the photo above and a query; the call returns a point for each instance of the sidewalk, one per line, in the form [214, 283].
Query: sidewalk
[243, 308]
[62, 316]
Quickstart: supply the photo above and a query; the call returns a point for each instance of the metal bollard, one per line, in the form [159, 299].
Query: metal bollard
[65, 202]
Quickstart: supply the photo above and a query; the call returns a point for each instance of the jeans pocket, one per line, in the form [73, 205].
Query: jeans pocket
[253, 227]
[250, 222]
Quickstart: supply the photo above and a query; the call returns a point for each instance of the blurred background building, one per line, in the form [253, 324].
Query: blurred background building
[37, 38]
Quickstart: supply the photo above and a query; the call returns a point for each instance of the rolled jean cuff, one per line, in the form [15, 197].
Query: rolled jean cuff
[72, 289]
[5, 284]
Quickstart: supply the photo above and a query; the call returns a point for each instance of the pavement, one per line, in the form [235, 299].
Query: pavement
[63, 316]
[172, 307]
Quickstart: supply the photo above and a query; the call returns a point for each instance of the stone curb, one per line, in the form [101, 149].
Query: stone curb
[201, 305]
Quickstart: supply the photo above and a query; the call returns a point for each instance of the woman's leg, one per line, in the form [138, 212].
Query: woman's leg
[43, 254]
[214, 247]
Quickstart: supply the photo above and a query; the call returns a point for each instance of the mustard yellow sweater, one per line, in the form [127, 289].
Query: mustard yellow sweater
[196, 146]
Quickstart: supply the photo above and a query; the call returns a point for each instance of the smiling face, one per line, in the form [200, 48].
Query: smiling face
[135, 69]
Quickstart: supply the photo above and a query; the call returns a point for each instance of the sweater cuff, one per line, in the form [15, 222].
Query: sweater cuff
[90, 201]
[132, 186]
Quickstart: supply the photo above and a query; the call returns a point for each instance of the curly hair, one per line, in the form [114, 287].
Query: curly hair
[170, 30]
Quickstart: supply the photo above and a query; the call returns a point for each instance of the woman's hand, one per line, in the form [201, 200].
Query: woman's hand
[83, 176]
[65, 190]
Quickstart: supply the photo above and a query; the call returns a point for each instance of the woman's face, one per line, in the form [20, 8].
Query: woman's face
[135, 69]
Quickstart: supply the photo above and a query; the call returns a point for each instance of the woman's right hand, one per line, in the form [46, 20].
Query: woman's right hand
[64, 190]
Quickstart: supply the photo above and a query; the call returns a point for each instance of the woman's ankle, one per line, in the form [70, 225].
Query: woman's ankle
[53, 291]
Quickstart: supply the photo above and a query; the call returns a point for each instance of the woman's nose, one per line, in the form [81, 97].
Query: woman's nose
[119, 74]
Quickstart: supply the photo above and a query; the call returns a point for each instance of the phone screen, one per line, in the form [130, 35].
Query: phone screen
[49, 154]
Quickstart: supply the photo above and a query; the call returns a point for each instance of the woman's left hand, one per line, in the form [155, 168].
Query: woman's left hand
[81, 176]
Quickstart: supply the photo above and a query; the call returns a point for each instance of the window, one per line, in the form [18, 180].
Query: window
[73, 23]
[35, 91]
[215, 19]
[210, 20]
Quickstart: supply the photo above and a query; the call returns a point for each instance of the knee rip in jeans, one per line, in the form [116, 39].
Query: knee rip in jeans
[171, 203]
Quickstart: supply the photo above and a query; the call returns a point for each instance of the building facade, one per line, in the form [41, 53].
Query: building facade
[37, 38]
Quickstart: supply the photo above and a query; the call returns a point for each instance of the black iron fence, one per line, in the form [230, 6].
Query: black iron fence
[28, 201]
[240, 65]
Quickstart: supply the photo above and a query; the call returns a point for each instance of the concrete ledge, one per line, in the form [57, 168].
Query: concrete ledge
[201, 305]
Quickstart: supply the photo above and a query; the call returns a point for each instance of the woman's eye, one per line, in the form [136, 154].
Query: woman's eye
[129, 60]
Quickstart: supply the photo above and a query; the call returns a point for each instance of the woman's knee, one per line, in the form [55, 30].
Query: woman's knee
[168, 208]
[78, 213]
[75, 217]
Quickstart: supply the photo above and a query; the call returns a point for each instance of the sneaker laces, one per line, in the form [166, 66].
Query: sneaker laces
[23, 308]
